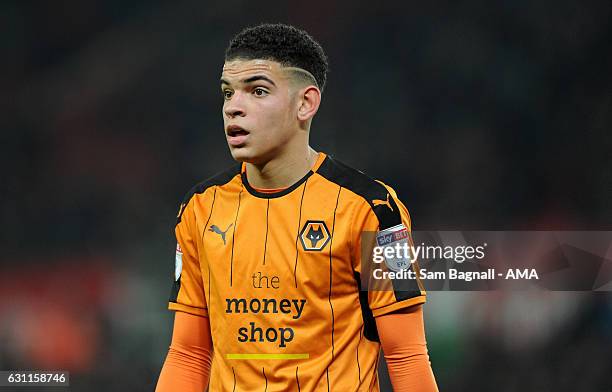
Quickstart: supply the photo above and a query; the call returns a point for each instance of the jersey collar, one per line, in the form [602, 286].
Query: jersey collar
[267, 195]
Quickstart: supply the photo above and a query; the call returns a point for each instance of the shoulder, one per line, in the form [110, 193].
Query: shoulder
[380, 198]
[218, 179]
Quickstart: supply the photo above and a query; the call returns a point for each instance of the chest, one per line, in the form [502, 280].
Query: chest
[300, 242]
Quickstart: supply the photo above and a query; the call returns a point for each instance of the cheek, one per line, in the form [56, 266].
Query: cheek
[275, 118]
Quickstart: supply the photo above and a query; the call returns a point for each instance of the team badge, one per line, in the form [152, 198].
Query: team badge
[391, 238]
[314, 235]
[178, 262]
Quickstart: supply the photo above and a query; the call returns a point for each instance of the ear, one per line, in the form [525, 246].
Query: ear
[308, 103]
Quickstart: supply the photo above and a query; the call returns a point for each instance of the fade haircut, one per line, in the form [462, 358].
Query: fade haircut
[287, 45]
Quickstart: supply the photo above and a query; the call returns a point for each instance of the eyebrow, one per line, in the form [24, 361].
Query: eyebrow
[252, 79]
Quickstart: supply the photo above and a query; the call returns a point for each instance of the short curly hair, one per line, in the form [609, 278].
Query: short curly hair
[285, 44]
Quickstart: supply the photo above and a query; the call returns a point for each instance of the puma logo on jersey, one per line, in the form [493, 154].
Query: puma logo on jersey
[314, 235]
[378, 202]
[217, 230]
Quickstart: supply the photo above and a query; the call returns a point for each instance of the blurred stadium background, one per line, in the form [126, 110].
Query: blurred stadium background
[483, 115]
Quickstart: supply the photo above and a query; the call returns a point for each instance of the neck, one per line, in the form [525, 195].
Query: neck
[282, 171]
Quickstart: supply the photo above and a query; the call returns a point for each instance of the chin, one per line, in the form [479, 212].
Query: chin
[244, 154]
[248, 155]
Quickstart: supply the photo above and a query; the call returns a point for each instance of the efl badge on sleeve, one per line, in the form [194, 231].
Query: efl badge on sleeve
[178, 263]
[394, 244]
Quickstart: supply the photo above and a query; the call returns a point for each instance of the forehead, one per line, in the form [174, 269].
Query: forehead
[238, 70]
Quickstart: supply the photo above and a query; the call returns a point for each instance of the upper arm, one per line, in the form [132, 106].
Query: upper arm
[402, 336]
[188, 293]
[188, 363]
[401, 330]
[191, 331]
[384, 295]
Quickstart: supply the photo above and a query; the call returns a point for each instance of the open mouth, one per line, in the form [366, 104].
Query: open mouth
[236, 135]
[234, 130]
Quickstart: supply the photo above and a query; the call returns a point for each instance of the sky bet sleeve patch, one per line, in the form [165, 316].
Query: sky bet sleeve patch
[178, 264]
[392, 247]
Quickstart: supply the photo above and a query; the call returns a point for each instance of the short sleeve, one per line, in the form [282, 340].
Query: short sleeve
[383, 295]
[188, 293]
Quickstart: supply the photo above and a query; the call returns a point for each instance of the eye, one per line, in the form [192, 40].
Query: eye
[227, 94]
[260, 92]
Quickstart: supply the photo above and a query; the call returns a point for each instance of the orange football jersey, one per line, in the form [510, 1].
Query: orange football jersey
[279, 277]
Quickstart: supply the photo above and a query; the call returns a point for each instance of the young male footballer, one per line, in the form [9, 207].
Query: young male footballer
[268, 288]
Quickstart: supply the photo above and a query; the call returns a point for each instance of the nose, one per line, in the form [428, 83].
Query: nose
[234, 107]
